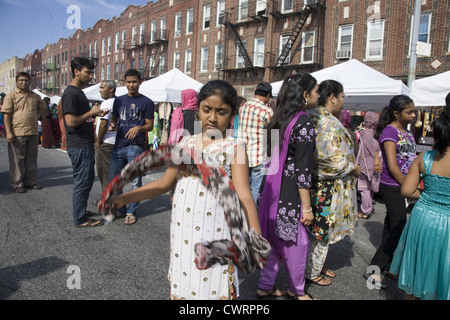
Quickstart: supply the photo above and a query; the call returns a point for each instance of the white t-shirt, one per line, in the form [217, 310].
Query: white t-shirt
[110, 136]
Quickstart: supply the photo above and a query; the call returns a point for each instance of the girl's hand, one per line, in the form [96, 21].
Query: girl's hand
[307, 218]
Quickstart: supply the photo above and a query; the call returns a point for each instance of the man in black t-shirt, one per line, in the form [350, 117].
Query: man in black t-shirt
[78, 121]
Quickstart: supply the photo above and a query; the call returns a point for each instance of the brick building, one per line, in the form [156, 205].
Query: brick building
[246, 41]
[8, 72]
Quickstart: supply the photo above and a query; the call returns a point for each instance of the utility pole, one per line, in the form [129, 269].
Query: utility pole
[415, 39]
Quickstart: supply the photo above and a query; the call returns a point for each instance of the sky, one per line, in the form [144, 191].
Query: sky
[27, 25]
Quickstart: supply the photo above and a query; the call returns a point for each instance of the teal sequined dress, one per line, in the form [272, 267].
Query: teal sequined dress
[422, 258]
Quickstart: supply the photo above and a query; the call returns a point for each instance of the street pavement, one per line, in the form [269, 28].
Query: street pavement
[44, 257]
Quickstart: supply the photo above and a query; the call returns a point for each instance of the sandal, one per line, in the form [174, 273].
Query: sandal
[270, 293]
[363, 216]
[306, 296]
[317, 281]
[91, 223]
[130, 219]
[329, 273]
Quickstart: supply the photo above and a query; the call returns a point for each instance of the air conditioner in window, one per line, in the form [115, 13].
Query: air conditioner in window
[343, 54]
[217, 66]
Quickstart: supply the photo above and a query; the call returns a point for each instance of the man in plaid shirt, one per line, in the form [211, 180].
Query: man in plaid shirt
[253, 117]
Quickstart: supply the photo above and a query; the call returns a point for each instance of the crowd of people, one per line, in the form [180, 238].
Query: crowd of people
[294, 165]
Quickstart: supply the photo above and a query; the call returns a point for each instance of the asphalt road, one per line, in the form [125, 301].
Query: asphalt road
[44, 257]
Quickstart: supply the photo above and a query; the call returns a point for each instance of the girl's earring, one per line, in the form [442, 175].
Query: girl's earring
[306, 102]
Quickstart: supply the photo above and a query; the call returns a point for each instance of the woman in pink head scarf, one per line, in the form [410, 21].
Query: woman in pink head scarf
[183, 117]
[369, 160]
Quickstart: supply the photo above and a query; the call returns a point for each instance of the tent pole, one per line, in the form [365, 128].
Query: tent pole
[414, 40]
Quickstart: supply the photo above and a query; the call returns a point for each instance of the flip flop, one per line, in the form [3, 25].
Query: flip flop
[329, 273]
[130, 219]
[363, 216]
[269, 293]
[91, 223]
[316, 281]
[297, 296]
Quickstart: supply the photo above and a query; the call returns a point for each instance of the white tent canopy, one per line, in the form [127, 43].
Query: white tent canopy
[164, 88]
[365, 88]
[53, 99]
[431, 91]
[168, 86]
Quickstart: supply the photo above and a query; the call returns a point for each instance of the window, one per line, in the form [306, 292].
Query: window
[240, 62]
[424, 28]
[308, 42]
[109, 45]
[220, 12]
[163, 26]
[243, 9]
[162, 64]
[142, 33]
[283, 41]
[133, 36]
[116, 71]
[152, 66]
[108, 72]
[190, 20]
[218, 57]
[124, 38]
[287, 5]
[258, 57]
[152, 31]
[188, 61]
[102, 75]
[141, 66]
[204, 59]
[345, 42]
[206, 16]
[103, 46]
[176, 59]
[261, 6]
[375, 33]
[116, 44]
[178, 24]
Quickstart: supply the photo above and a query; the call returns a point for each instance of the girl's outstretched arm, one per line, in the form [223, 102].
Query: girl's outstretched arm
[240, 178]
[150, 190]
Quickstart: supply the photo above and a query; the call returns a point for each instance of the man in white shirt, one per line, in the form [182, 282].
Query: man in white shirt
[106, 139]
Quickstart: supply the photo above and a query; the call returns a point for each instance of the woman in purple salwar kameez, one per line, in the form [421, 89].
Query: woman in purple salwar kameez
[285, 203]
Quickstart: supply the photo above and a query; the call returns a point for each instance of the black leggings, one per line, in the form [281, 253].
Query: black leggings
[393, 226]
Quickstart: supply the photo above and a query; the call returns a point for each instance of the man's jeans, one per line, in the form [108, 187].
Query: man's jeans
[256, 177]
[119, 159]
[83, 161]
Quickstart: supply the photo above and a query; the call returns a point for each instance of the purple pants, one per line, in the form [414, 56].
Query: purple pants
[294, 264]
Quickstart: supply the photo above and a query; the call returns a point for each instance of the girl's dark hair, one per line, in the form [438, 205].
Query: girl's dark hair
[327, 88]
[397, 103]
[441, 129]
[290, 100]
[224, 90]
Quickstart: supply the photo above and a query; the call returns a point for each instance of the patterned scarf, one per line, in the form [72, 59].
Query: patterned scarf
[247, 250]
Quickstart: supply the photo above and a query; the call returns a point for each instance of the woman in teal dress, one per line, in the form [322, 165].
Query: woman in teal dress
[422, 257]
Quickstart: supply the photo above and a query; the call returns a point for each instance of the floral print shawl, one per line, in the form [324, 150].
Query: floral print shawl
[334, 194]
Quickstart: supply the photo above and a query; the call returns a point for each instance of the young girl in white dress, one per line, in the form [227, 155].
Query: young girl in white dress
[196, 215]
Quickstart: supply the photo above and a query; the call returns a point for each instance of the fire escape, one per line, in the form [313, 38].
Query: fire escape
[144, 52]
[246, 15]
[302, 12]
[254, 15]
